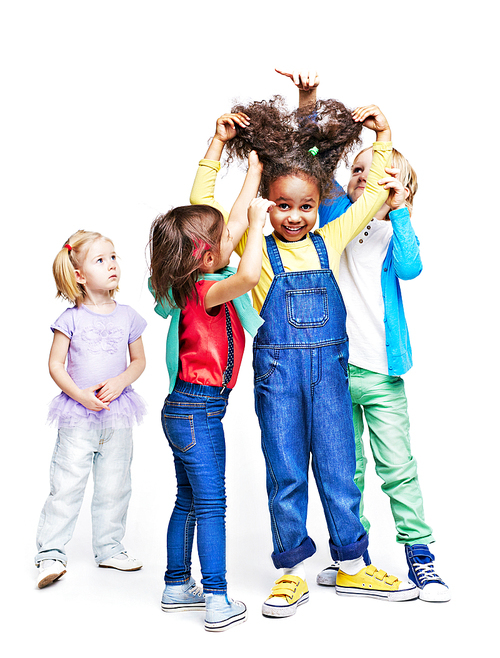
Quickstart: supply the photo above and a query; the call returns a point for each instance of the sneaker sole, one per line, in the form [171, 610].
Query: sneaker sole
[182, 607]
[51, 578]
[284, 610]
[444, 597]
[110, 566]
[403, 595]
[219, 626]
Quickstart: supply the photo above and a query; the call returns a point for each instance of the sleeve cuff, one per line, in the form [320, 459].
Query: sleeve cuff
[399, 213]
[213, 164]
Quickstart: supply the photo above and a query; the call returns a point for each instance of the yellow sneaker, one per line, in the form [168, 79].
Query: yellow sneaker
[374, 582]
[288, 593]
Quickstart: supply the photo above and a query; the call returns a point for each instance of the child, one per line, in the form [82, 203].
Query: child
[96, 409]
[300, 352]
[190, 250]
[370, 268]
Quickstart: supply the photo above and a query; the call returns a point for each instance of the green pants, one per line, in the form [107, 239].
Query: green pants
[382, 399]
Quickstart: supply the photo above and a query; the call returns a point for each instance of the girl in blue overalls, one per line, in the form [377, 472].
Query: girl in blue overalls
[301, 351]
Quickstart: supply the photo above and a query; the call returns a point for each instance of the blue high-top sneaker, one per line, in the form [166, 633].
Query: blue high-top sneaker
[222, 612]
[421, 564]
[183, 598]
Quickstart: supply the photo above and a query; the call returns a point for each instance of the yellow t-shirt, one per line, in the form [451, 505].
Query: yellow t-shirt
[302, 255]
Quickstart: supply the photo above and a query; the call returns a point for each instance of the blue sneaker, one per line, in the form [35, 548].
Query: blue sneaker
[223, 613]
[183, 598]
[421, 564]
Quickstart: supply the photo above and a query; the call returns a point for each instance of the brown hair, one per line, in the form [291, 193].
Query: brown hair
[177, 242]
[307, 142]
[71, 258]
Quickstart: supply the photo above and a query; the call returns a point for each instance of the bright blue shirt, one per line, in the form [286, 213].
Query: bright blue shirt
[402, 261]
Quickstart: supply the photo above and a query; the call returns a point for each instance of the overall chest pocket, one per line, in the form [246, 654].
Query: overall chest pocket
[307, 308]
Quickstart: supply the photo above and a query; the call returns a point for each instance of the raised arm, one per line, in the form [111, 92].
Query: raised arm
[405, 250]
[249, 269]
[307, 82]
[238, 217]
[203, 188]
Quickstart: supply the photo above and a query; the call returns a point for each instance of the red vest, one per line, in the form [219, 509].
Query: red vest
[203, 341]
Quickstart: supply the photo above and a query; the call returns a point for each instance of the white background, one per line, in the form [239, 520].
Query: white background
[107, 108]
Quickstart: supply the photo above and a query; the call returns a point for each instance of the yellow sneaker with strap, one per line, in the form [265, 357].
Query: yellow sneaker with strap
[376, 583]
[287, 594]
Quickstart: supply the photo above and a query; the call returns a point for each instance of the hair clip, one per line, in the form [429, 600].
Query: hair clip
[314, 150]
[68, 247]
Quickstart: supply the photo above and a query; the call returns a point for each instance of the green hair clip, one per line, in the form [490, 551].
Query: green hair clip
[314, 150]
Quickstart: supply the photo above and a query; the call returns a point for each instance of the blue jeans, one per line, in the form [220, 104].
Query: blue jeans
[108, 453]
[192, 422]
[304, 409]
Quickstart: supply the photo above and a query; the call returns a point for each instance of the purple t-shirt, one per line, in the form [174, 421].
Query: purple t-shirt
[98, 351]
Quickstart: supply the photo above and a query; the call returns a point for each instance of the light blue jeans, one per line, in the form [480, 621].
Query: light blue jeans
[108, 453]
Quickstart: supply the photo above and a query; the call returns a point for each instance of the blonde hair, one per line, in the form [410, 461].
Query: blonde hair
[71, 258]
[407, 175]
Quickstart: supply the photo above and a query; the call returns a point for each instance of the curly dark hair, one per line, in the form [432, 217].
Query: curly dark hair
[283, 140]
[177, 243]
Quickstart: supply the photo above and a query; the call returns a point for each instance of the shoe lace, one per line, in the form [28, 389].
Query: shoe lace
[196, 590]
[425, 572]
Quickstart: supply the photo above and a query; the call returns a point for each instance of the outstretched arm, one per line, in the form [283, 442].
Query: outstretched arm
[204, 183]
[249, 268]
[238, 218]
[307, 82]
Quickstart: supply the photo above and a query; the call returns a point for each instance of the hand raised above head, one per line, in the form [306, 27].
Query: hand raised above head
[304, 80]
[372, 117]
[253, 161]
[225, 128]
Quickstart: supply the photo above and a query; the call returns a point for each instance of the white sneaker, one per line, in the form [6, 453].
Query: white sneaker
[122, 561]
[328, 576]
[50, 571]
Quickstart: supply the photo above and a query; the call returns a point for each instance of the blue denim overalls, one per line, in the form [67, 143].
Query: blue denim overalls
[304, 408]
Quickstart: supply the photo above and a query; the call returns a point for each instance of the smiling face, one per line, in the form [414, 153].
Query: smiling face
[100, 272]
[296, 210]
[359, 173]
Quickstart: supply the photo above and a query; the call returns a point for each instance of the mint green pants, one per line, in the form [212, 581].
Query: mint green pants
[382, 401]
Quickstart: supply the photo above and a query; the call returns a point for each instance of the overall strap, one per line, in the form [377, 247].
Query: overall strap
[228, 372]
[274, 255]
[319, 243]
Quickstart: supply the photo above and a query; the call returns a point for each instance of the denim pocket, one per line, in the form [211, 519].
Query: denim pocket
[265, 362]
[307, 308]
[179, 430]
[343, 357]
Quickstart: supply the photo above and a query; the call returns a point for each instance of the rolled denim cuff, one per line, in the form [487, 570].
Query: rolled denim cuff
[289, 559]
[350, 552]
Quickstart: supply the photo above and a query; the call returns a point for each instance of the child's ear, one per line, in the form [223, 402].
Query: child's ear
[79, 277]
[208, 261]
[407, 192]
